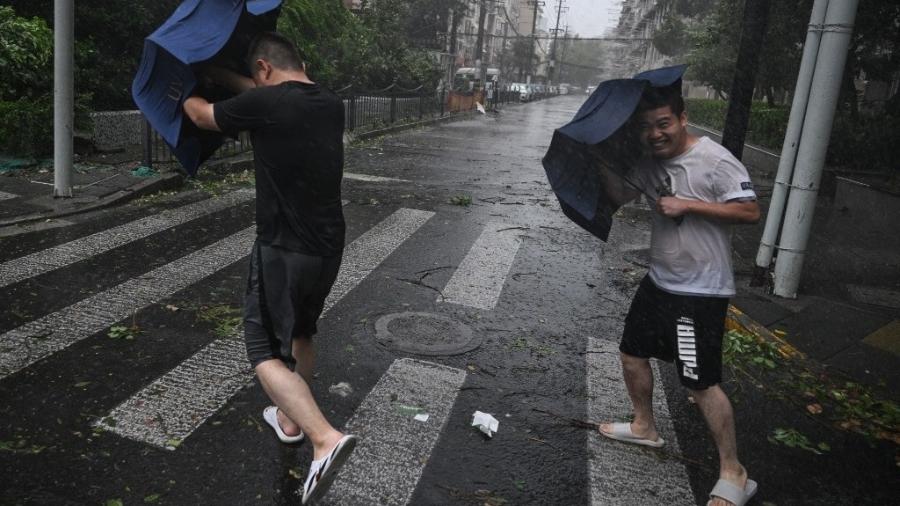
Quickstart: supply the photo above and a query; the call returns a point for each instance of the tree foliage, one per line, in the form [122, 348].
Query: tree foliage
[109, 37]
[26, 56]
[706, 33]
[363, 50]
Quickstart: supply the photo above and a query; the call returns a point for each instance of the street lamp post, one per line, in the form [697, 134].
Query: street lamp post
[63, 95]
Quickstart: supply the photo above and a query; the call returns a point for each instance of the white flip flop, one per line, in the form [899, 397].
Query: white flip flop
[622, 432]
[323, 471]
[270, 415]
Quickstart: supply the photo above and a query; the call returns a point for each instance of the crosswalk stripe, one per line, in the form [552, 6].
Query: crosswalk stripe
[49, 259]
[169, 409]
[40, 338]
[393, 446]
[373, 179]
[481, 275]
[614, 467]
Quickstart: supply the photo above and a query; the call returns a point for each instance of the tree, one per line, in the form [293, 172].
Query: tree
[26, 56]
[109, 40]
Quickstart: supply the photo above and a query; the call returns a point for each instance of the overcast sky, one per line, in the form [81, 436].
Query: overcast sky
[588, 18]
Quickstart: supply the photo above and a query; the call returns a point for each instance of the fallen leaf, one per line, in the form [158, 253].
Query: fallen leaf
[814, 409]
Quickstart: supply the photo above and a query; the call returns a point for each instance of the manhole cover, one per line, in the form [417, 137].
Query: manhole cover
[424, 334]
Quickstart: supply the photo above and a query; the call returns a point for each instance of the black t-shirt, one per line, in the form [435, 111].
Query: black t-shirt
[297, 134]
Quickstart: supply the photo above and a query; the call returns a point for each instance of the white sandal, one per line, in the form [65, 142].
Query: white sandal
[270, 415]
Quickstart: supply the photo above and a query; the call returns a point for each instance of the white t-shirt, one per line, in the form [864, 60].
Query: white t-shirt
[693, 258]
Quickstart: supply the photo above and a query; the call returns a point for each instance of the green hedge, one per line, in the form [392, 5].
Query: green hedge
[865, 144]
[26, 127]
[766, 127]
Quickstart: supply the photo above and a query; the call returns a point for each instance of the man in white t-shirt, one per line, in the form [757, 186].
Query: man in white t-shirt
[678, 312]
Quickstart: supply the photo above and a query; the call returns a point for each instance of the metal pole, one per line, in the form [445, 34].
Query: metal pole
[826, 87]
[148, 145]
[740, 100]
[63, 95]
[791, 142]
[559, 8]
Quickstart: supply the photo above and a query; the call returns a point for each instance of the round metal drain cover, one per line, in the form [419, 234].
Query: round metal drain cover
[424, 334]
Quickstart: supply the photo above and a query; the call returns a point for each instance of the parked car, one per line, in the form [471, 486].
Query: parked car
[524, 91]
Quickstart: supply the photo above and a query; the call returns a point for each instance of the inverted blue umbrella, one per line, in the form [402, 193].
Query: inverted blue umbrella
[599, 139]
[198, 32]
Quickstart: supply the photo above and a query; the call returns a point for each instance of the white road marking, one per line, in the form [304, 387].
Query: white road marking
[481, 275]
[49, 259]
[7, 196]
[615, 468]
[174, 405]
[373, 179]
[394, 447]
[40, 338]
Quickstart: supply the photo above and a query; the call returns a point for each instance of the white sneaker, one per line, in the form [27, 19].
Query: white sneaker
[323, 471]
[270, 415]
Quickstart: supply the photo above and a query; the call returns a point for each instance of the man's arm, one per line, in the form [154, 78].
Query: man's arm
[200, 111]
[735, 211]
[231, 81]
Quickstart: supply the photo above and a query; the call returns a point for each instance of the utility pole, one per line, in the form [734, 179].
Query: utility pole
[536, 4]
[559, 10]
[479, 44]
[786, 162]
[503, 49]
[565, 50]
[756, 18]
[816, 132]
[454, 27]
[63, 96]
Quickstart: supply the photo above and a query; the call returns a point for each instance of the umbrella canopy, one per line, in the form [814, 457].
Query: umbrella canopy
[599, 139]
[199, 31]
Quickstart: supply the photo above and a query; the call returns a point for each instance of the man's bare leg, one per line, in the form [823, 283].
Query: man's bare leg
[639, 382]
[290, 392]
[717, 411]
[304, 355]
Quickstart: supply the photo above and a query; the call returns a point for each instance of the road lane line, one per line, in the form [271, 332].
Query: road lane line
[169, 409]
[622, 473]
[40, 338]
[49, 259]
[480, 277]
[393, 447]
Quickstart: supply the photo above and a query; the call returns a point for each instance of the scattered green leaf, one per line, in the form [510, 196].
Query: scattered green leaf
[461, 200]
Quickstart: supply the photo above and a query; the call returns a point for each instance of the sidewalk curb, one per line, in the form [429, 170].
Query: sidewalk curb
[738, 320]
[168, 181]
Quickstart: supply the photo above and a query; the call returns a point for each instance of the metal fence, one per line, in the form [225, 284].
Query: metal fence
[364, 111]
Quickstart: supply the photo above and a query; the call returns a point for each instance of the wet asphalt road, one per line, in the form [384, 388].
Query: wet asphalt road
[529, 355]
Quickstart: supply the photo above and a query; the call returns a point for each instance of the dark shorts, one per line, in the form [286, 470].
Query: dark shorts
[285, 296]
[685, 328]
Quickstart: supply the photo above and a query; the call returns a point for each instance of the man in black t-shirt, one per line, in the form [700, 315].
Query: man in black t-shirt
[296, 128]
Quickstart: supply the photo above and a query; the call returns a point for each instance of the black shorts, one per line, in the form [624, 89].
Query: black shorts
[685, 328]
[285, 296]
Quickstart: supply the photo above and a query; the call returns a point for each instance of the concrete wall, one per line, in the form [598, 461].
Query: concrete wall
[117, 129]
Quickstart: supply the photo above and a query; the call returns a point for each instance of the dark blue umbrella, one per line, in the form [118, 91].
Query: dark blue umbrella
[199, 32]
[599, 139]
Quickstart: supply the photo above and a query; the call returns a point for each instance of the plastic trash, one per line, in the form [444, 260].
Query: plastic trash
[421, 417]
[343, 389]
[485, 423]
[144, 171]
